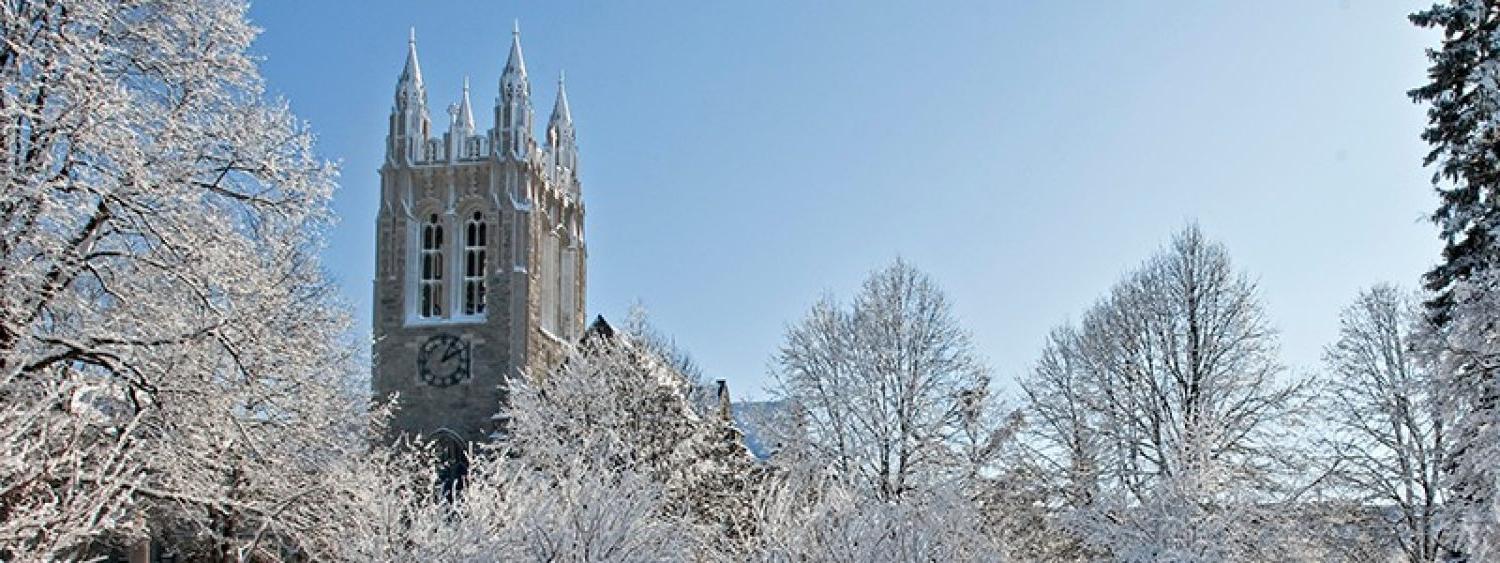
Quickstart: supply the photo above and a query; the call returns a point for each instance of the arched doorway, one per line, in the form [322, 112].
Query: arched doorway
[453, 461]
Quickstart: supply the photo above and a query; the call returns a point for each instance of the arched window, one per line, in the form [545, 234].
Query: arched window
[476, 238]
[430, 284]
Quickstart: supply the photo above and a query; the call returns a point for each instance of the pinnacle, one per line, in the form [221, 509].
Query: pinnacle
[560, 111]
[515, 64]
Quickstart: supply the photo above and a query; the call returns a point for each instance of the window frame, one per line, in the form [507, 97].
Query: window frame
[474, 248]
[430, 264]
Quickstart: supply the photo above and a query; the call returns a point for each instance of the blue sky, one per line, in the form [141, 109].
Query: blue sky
[742, 159]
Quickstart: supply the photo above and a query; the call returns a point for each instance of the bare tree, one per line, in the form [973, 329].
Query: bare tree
[1167, 406]
[1062, 419]
[1389, 432]
[1062, 455]
[887, 384]
[1188, 367]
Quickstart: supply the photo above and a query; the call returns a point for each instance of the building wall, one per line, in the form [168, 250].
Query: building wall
[530, 199]
[509, 340]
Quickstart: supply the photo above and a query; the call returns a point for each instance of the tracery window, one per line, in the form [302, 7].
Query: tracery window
[476, 239]
[430, 283]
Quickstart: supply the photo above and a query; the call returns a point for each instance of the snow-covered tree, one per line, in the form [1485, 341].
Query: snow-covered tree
[1463, 113]
[388, 505]
[1388, 437]
[1465, 356]
[619, 404]
[1463, 98]
[1167, 404]
[1064, 419]
[644, 334]
[1063, 453]
[66, 472]
[1200, 517]
[1023, 506]
[158, 226]
[508, 511]
[805, 513]
[586, 517]
[886, 385]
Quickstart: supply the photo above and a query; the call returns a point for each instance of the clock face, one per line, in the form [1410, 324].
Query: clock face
[443, 360]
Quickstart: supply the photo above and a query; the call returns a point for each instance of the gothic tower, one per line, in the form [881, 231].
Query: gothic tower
[480, 254]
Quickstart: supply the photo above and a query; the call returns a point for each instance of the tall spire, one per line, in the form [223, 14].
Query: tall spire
[515, 64]
[410, 83]
[513, 108]
[561, 143]
[561, 116]
[409, 122]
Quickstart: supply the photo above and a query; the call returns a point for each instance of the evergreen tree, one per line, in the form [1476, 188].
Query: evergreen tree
[1463, 97]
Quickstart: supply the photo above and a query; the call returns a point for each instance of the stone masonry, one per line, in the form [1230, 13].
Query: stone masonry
[480, 256]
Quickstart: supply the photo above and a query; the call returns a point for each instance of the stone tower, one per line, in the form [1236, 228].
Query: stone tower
[480, 254]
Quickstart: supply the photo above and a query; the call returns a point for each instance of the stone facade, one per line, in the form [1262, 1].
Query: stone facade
[480, 256]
